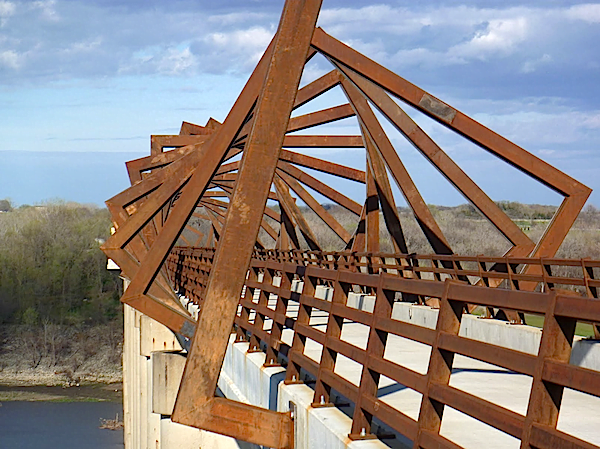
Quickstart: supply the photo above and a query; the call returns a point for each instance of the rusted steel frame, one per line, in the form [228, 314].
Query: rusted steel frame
[182, 169]
[226, 168]
[323, 166]
[331, 222]
[544, 437]
[287, 233]
[371, 125]
[489, 413]
[225, 183]
[268, 211]
[320, 117]
[159, 142]
[137, 167]
[223, 205]
[372, 212]
[591, 291]
[558, 227]
[369, 380]
[224, 177]
[384, 192]
[517, 361]
[263, 302]
[161, 290]
[546, 397]
[316, 88]
[279, 319]
[213, 150]
[320, 187]
[153, 205]
[322, 396]
[571, 376]
[291, 209]
[302, 141]
[440, 364]
[440, 160]
[430, 440]
[210, 240]
[136, 250]
[196, 404]
[136, 295]
[446, 115]
[358, 241]
[186, 241]
[213, 124]
[191, 129]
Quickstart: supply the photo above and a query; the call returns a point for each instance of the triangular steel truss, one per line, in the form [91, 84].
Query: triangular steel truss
[204, 179]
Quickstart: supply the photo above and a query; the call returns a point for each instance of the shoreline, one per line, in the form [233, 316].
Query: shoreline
[86, 392]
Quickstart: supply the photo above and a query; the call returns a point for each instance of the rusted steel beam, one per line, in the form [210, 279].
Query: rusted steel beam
[358, 241]
[371, 125]
[196, 404]
[301, 141]
[320, 187]
[372, 213]
[323, 166]
[136, 167]
[546, 397]
[446, 115]
[333, 224]
[320, 117]
[446, 166]
[288, 204]
[214, 151]
[316, 88]
[190, 129]
[159, 142]
[385, 195]
[137, 293]
[266, 226]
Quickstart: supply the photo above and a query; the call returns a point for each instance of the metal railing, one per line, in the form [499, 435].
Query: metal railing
[284, 316]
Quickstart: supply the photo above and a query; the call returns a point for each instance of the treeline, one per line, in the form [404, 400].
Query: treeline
[52, 270]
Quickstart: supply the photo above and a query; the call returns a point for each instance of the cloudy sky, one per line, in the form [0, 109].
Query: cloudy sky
[83, 84]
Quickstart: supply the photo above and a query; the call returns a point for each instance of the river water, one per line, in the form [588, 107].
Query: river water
[58, 425]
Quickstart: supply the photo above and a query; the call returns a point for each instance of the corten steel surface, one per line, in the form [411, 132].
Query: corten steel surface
[232, 187]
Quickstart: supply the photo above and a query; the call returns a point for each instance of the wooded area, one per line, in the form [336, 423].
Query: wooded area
[51, 266]
[60, 307]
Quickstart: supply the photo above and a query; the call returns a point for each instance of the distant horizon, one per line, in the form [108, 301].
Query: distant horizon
[94, 177]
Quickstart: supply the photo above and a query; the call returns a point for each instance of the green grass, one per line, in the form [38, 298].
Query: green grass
[582, 329]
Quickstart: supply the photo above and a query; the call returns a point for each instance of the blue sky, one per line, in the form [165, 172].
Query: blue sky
[83, 84]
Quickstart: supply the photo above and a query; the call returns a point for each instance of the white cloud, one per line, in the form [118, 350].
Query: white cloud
[177, 62]
[47, 7]
[233, 50]
[10, 59]
[500, 36]
[587, 13]
[532, 65]
[7, 9]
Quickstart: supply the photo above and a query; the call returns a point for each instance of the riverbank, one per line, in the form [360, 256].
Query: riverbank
[84, 393]
[65, 357]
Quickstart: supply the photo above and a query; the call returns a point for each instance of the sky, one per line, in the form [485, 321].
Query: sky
[83, 84]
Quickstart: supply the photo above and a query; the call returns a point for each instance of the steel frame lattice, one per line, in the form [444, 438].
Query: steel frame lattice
[224, 174]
